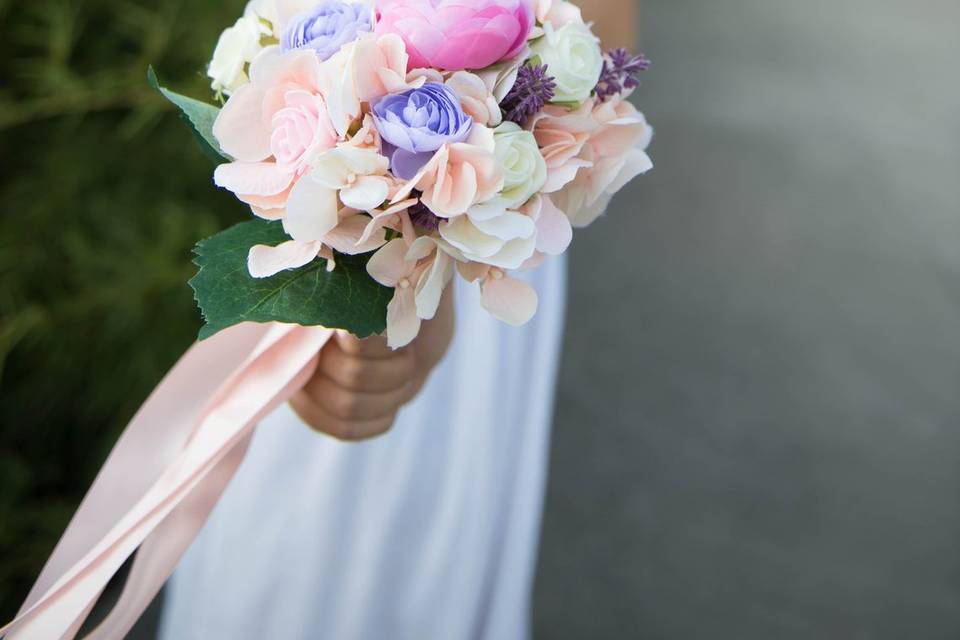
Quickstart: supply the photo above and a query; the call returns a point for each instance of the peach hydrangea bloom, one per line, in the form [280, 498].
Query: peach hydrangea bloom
[458, 176]
[591, 154]
[363, 71]
[418, 271]
[476, 98]
[507, 299]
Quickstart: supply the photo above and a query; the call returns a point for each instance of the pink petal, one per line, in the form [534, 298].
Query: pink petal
[509, 300]
[389, 265]
[385, 218]
[240, 128]
[554, 231]
[561, 176]
[403, 325]
[253, 178]
[350, 236]
[264, 261]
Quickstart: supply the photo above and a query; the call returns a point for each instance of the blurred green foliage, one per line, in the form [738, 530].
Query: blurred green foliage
[104, 193]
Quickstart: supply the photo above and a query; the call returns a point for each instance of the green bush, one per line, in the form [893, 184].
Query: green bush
[104, 193]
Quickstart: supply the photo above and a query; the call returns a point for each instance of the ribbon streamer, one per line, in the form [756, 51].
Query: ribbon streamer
[165, 475]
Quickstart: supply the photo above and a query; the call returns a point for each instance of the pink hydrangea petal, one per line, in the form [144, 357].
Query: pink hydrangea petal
[554, 231]
[509, 300]
[389, 265]
[253, 178]
[350, 238]
[268, 207]
[264, 261]
[403, 324]
[239, 128]
[383, 219]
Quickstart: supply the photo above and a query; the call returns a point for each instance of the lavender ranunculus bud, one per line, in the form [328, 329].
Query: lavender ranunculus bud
[327, 27]
[415, 123]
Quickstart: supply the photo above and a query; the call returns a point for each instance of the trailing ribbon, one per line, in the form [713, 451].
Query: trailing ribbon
[165, 475]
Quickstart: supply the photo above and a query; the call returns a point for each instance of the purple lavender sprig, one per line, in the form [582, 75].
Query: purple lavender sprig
[531, 92]
[620, 73]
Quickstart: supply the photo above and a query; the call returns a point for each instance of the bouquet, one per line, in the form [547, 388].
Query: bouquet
[387, 148]
[384, 148]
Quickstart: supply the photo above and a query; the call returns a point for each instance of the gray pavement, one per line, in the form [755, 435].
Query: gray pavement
[758, 433]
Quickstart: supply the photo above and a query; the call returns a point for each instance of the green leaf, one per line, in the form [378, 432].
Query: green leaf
[345, 298]
[198, 115]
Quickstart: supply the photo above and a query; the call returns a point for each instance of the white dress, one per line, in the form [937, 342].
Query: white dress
[429, 533]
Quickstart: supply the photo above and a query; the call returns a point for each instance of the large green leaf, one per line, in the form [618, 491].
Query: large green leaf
[345, 298]
[198, 115]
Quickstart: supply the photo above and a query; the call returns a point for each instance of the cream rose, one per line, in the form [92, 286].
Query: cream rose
[237, 47]
[524, 169]
[573, 57]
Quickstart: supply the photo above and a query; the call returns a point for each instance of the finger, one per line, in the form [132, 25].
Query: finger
[354, 405]
[373, 347]
[347, 430]
[366, 375]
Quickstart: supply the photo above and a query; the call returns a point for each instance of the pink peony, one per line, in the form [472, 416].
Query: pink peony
[455, 34]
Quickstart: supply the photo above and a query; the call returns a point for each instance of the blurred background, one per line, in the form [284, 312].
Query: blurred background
[758, 435]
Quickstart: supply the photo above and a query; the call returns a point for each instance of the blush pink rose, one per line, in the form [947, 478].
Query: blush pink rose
[457, 34]
[272, 127]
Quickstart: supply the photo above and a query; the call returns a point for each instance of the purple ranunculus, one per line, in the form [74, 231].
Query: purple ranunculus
[415, 123]
[327, 27]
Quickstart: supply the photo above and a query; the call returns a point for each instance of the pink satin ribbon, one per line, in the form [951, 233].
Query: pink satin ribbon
[165, 475]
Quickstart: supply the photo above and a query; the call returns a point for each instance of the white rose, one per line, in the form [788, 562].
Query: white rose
[524, 169]
[236, 48]
[573, 57]
[263, 10]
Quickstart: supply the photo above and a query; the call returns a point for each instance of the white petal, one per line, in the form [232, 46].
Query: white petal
[513, 254]
[264, 261]
[463, 235]
[363, 160]
[508, 226]
[431, 286]
[366, 194]
[311, 211]
[330, 170]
